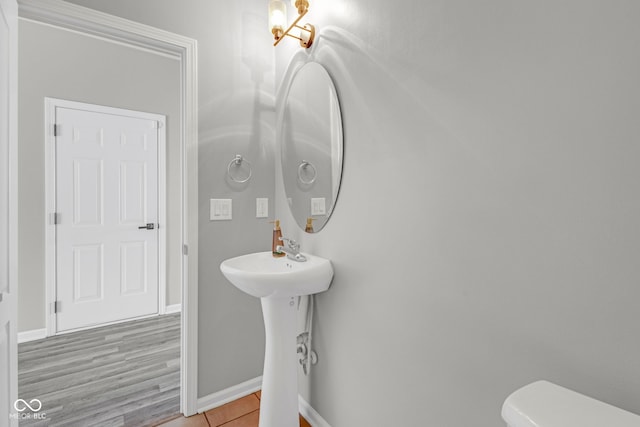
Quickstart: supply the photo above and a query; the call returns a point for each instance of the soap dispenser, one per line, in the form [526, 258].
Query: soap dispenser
[309, 227]
[277, 240]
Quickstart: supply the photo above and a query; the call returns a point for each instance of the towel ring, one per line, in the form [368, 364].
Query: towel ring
[305, 165]
[237, 161]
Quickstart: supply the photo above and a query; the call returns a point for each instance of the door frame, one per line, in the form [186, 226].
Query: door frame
[9, 197]
[51, 186]
[108, 27]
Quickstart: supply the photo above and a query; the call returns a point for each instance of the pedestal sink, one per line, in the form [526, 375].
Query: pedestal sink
[278, 282]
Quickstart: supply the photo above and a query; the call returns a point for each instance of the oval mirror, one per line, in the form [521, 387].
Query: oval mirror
[311, 137]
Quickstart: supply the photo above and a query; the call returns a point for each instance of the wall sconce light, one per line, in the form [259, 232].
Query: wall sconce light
[278, 19]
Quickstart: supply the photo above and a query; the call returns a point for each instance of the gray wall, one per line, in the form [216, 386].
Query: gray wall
[63, 64]
[486, 234]
[486, 231]
[236, 116]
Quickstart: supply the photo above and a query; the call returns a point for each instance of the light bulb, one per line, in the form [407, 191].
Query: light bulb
[277, 17]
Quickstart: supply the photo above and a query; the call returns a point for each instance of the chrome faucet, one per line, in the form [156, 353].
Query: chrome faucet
[292, 249]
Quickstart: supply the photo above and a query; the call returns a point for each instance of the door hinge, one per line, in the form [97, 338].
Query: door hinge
[54, 218]
[57, 307]
[185, 250]
[56, 130]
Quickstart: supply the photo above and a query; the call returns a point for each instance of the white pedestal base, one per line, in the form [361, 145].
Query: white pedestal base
[279, 402]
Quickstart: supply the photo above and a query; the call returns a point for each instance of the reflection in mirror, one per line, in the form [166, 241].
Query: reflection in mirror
[311, 135]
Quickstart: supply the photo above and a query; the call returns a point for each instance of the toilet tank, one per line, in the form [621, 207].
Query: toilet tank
[543, 404]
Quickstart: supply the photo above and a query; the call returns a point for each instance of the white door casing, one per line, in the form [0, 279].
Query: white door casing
[106, 187]
[8, 212]
[108, 27]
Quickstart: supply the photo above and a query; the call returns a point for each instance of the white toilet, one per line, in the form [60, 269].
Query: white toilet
[543, 404]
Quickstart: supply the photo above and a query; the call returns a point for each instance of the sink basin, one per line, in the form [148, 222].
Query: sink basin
[278, 282]
[262, 275]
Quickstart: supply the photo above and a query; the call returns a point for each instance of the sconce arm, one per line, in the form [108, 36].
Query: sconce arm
[311, 31]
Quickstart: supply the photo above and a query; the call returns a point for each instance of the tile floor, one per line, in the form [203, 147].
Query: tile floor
[243, 412]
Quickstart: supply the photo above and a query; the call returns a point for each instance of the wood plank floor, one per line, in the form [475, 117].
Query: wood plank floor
[120, 375]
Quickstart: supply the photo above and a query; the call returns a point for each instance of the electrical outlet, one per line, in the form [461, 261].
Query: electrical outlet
[262, 208]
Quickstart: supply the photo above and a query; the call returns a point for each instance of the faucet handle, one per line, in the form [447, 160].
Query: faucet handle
[291, 243]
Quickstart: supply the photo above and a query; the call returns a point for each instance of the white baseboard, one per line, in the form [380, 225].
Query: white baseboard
[174, 308]
[310, 414]
[229, 395]
[35, 334]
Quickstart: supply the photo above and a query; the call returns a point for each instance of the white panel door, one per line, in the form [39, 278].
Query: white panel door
[106, 196]
[8, 209]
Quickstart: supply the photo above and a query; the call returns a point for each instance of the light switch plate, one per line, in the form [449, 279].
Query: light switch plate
[262, 208]
[220, 209]
[318, 206]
